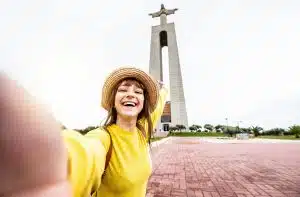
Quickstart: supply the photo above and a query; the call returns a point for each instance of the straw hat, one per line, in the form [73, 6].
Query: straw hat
[150, 84]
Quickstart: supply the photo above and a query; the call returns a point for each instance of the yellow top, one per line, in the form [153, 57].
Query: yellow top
[129, 167]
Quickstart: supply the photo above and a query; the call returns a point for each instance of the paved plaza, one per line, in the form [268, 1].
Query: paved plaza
[218, 168]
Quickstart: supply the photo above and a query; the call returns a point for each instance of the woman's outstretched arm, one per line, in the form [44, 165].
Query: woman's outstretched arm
[156, 114]
[33, 158]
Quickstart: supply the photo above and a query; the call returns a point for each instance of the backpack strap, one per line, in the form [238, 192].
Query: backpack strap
[108, 155]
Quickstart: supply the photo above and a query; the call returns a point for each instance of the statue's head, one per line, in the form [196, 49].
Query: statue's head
[162, 6]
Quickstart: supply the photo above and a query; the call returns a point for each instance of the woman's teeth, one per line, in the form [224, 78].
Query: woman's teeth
[129, 103]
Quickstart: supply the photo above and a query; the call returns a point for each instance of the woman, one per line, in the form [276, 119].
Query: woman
[34, 161]
[134, 102]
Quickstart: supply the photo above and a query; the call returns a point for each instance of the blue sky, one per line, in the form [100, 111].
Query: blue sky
[243, 55]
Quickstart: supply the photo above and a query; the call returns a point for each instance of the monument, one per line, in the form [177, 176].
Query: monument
[164, 35]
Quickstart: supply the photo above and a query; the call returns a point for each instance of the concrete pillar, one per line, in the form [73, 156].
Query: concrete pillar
[178, 106]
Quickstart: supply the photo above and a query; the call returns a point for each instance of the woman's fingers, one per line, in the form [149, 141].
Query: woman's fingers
[58, 189]
[161, 83]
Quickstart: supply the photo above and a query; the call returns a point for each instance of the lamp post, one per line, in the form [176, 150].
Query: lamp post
[238, 125]
[226, 124]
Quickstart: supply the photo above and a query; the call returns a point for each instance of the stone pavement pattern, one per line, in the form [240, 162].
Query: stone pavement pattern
[193, 167]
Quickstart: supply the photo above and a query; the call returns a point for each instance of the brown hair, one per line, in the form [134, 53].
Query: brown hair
[145, 113]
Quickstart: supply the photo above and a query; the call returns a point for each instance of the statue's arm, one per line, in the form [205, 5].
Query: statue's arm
[172, 11]
[155, 14]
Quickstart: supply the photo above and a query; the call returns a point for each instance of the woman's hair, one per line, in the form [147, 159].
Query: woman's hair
[145, 113]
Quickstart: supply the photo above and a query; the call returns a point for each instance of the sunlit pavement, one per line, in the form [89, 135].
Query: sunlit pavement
[213, 167]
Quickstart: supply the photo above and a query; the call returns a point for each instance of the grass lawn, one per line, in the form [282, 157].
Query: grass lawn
[156, 139]
[197, 134]
[284, 137]
[190, 134]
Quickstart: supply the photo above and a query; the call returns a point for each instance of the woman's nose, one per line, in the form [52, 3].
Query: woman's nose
[130, 93]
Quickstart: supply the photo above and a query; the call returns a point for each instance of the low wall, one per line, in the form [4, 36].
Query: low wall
[242, 136]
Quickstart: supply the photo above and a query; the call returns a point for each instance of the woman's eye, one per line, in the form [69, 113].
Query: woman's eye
[121, 90]
[139, 92]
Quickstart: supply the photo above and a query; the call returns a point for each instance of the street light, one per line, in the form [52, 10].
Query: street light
[238, 125]
[227, 123]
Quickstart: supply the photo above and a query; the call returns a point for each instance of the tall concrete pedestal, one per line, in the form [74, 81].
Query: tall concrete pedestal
[164, 35]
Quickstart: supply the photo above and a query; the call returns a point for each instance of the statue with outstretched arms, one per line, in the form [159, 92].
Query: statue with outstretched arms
[163, 10]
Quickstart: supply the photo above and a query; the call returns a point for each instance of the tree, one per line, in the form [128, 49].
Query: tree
[180, 127]
[230, 130]
[256, 130]
[295, 130]
[237, 129]
[198, 128]
[192, 128]
[275, 131]
[208, 127]
[86, 130]
[195, 127]
[219, 128]
[246, 130]
[171, 129]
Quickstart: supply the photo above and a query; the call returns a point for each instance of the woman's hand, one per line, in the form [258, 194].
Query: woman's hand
[161, 83]
[32, 154]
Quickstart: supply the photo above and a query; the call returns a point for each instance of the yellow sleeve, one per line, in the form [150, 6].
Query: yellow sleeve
[100, 134]
[156, 114]
[86, 161]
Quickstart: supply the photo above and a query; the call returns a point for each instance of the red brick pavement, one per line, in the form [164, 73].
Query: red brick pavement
[194, 168]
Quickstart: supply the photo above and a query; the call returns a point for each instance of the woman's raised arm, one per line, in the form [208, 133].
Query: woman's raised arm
[156, 114]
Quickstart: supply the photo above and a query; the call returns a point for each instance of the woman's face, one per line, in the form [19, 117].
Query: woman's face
[129, 99]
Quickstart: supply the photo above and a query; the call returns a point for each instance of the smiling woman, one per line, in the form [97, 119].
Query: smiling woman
[114, 160]
[134, 101]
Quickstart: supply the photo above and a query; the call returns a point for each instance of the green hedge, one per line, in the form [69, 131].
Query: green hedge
[197, 134]
[153, 139]
[284, 137]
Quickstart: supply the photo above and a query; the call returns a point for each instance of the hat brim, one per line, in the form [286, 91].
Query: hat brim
[150, 84]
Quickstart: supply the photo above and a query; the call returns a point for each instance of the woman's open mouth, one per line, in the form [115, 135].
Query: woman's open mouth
[129, 104]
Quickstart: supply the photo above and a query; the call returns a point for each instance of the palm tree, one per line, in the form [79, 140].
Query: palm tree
[256, 130]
